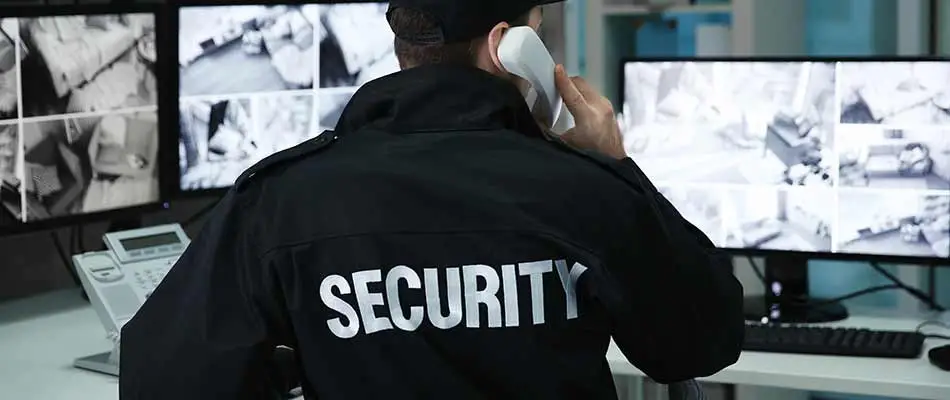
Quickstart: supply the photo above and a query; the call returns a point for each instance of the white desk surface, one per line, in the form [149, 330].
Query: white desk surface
[40, 337]
[913, 379]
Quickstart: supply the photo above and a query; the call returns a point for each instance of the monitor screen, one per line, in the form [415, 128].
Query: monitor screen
[255, 80]
[78, 115]
[817, 157]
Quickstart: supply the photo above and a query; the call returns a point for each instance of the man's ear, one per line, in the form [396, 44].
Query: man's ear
[494, 40]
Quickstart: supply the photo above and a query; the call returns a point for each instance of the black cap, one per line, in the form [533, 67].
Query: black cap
[463, 20]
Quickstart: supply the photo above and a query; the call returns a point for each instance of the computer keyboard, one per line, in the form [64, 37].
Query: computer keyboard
[833, 341]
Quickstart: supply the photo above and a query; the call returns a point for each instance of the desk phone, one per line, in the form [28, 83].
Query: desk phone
[120, 279]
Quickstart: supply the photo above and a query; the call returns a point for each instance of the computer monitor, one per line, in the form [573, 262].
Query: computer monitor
[257, 79]
[79, 123]
[798, 159]
[825, 158]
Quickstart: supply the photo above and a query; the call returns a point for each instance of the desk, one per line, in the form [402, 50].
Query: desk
[916, 379]
[40, 337]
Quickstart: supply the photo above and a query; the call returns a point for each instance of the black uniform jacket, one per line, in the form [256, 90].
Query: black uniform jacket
[435, 246]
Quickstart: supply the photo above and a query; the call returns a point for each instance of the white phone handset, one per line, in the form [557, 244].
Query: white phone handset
[522, 53]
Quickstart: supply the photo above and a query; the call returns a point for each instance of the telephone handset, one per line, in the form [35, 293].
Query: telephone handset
[523, 54]
[119, 280]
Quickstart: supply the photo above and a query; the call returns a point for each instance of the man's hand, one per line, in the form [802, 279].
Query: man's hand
[596, 127]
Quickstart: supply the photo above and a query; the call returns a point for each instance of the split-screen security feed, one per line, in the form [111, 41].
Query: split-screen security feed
[78, 115]
[846, 157]
[256, 80]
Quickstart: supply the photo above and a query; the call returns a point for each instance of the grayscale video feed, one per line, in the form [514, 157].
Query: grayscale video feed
[82, 64]
[702, 207]
[10, 165]
[217, 142]
[895, 93]
[87, 135]
[911, 159]
[86, 164]
[894, 223]
[246, 49]
[285, 121]
[787, 219]
[330, 106]
[356, 44]
[9, 73]
[760, 123]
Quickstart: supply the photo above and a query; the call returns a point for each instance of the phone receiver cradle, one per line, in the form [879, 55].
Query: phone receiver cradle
[522, 53]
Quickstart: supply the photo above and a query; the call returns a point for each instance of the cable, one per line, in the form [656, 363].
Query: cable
[73, 240]
[897, 284]
[849, 296]
[80, 235]
[920, 330]
[859, 293]
[917, 293]
[932, 282]
[933, 322]
[757, 270]
[63, 257]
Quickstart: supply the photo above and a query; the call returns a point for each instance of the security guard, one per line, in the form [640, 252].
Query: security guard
[438, 245]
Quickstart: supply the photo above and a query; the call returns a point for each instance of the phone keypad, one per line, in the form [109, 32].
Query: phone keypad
[148, 278]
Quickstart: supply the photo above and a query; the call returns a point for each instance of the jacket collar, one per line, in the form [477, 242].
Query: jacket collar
[439, 98]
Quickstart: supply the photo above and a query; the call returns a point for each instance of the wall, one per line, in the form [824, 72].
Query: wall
[850, 27]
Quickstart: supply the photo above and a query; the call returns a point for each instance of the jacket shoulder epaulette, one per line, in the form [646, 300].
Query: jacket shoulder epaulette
[297, 152]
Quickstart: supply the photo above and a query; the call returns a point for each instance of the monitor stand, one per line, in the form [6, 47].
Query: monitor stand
[786, 297]
[106, 363]
[103, 363]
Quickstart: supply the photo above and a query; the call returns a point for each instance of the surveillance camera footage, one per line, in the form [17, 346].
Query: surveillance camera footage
[10, 167]
[895, 93]
[78, 64]
[331, 108]
[817, 157]
[246, 49]
[258, 79]
[78, 115]
[790, 219]
[735, 123]
[905, 223]
[356, 44]
[216, 142]
[873, 157]
[701, 207]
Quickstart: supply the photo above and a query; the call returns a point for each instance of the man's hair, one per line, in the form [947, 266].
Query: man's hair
[414, 23]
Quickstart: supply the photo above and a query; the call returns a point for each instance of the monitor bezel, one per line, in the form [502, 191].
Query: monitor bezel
[166, 180]
[822, 255]
[175, 7]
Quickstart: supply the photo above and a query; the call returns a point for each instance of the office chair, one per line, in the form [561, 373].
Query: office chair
[686, 390]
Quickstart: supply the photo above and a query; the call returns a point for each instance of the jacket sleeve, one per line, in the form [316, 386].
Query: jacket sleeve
[676, 306]
[208, 331]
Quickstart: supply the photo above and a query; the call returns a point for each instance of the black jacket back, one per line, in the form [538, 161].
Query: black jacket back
[436, 245]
